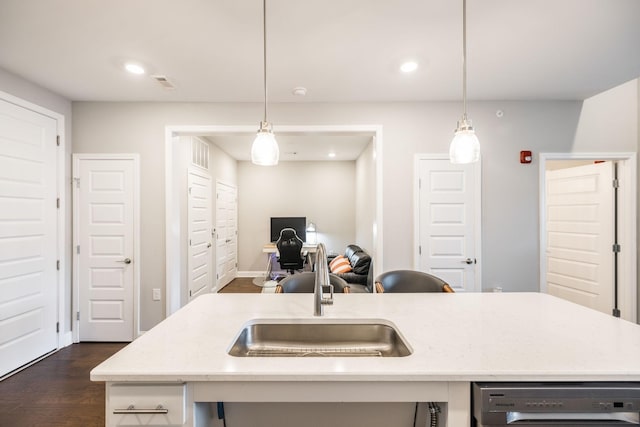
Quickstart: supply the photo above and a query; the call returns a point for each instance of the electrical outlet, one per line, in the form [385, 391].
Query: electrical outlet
[156, 294]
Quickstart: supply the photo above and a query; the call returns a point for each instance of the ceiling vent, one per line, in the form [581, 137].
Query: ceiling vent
[163, 81]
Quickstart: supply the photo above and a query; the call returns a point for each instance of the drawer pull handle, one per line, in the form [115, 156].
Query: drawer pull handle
[132, 410]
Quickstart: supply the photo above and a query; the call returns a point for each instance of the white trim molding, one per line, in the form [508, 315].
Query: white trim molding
[172, 228]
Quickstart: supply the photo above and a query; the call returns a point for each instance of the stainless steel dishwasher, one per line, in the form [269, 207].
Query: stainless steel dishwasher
[556, 404]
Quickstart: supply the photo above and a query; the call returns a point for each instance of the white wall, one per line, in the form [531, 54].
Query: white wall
[323, 192]
[510, 190]
[20, 88]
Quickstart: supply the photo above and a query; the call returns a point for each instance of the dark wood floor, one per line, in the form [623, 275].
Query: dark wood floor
[57, 392]
[241, 285]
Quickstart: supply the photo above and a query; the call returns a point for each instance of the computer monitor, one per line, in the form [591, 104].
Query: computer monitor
[298, 223]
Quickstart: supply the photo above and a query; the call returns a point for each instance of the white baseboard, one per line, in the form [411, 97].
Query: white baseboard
[250, 273]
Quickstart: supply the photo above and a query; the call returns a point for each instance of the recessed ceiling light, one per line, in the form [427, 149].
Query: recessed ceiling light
[408, 67]
[299, 91]
[134, 68]
[332, 154]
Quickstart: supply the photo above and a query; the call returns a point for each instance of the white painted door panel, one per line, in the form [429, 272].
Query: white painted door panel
[199, 230]
[580, 235]
[226, 234]
[447, 221]
[28, 236]
[105, 216]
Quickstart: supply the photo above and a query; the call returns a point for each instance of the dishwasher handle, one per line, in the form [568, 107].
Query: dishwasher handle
[570, 418]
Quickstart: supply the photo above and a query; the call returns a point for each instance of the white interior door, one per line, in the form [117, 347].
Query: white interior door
[106, 265]
[580, 235]
[226, 234]
[28, 236]
[199, 230]
[448, 228]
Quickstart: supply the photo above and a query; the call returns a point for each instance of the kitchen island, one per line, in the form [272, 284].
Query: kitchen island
[456, 339]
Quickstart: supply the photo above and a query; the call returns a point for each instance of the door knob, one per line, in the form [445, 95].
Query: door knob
[126, 261]
[469, 261]
[208, 245]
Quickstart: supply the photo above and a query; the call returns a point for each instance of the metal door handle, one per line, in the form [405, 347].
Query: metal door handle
[227, 241]
[469, 261]
[133, 410]
[208, 245]
[126, 261]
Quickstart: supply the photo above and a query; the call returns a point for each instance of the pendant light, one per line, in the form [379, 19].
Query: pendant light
[465, 147]
[265, 151]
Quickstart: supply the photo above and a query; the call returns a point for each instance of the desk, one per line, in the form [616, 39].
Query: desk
[270, 249]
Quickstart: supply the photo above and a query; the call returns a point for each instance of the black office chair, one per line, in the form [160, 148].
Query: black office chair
[306, 282]
[290, 250]
[410, 281]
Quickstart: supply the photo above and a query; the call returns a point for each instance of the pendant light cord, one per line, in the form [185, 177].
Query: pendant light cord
[264, 41]
[464, 59]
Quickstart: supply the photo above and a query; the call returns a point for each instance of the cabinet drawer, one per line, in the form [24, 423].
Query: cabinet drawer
[146, 405]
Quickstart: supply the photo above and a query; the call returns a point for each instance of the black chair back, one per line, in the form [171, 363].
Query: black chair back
[290, 249]
[306, 282]
[410, 281]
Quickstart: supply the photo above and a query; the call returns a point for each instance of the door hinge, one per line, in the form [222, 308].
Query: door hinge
[217, 276]
[189, 242]
[190, 293]
[58, 203]
[190, 190]
[616, 248]
[419, 183]
[77, 315]
[58, 140]
[57, 327]
[58, 265]
[419, 249]
[616, 183]
[78, 249]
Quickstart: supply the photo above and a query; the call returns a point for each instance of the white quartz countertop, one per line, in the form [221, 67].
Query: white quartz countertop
[454, 337]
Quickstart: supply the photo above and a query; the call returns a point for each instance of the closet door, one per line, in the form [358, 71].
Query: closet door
[28, 236]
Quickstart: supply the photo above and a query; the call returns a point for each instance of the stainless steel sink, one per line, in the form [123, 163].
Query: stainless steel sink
[318, 338]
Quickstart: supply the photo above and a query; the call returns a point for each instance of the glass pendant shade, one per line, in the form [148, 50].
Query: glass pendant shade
[465, 146]
[265, 151]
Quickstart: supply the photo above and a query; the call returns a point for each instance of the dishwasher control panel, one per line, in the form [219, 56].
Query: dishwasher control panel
[607, 403]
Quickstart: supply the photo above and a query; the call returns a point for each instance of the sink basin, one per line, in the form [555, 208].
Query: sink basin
[319, 338]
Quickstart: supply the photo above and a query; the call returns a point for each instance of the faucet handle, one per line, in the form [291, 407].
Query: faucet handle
[328, 301]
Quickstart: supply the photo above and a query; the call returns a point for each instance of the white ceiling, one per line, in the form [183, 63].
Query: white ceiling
[340, 50]
[299, 146]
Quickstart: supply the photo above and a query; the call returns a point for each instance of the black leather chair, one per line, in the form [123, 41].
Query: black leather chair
[410, 281]
[290, 250]
[305, 283]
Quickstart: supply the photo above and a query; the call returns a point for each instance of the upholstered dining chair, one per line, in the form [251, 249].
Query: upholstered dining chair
[289, 247]
[410, 281]
[305, 283]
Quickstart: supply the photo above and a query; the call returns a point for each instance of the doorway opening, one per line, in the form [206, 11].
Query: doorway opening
[175, 268]
[626, 294]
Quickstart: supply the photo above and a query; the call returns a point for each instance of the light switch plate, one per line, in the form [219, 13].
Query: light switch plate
[156, 294]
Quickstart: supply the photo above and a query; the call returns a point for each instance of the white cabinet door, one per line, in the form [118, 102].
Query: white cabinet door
[146, 405]
[580, 235]
[28, 236]
[448, 223]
